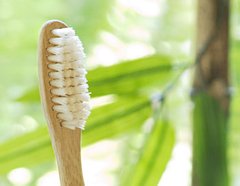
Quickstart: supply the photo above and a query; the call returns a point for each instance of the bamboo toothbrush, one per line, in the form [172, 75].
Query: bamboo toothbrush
[64, 95]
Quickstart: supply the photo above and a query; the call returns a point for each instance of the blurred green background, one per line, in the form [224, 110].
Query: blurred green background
[136, 51]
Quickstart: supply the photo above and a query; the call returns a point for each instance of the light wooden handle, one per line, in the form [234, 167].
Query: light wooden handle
[69, 157]
[65, 142]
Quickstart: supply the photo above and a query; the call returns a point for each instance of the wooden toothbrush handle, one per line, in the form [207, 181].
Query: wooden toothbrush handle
[67, 151]
[65, 142]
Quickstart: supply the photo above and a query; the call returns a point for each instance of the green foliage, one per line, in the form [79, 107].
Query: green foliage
[123, 115]
[35, 148]
[132, 77]
[154, 156]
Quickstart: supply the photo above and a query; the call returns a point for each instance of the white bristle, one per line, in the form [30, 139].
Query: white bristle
[77, 72]
[61, 67]
[69, 84]
[66, 40]
[70, 90]
[69, 57]
[72, 99]
[64, 32]
[62, 49]
[60, 83]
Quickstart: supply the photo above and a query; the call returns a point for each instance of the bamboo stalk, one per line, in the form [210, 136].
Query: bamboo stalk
[211, 97]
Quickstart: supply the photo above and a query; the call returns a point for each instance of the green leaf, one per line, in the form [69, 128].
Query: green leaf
[127, 78]
[30, 96]
[130, 68]
[125, 116]
[26, 148]
[130, 77]
[35, 148]
[154, 156]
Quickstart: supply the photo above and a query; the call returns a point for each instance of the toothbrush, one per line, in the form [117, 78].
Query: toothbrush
[64, 95]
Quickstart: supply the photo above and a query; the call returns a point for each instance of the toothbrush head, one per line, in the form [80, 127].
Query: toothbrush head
[66, 84]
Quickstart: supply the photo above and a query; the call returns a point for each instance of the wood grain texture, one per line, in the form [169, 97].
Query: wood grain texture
[65, 142]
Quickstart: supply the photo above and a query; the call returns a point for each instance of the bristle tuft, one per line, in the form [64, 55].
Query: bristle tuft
[69, 84]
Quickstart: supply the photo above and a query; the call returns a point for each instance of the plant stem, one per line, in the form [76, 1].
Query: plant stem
[211, 95]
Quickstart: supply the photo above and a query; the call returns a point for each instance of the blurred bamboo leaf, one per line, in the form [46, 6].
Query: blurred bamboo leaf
[87, 20]
[154, 156]
[130, 77]
[30, 96]
[125, 115]
[127, 78]
[34, 148]
[234, 127]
